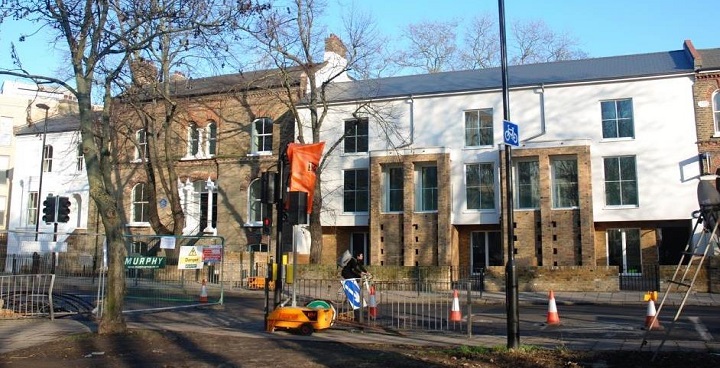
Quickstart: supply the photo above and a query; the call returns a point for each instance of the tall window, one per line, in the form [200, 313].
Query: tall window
[140, 203]
[32, 208]
[47, 158]
[716, 110]
[262, 132]
[617, 119]
[211, 131]
[204, 206]
[623, 249]
[356, 193]
[356, 135]
[565, 183]
[394, 192]
[141, 151]
[527, 174]
[193, 140]
[359, 242]
[256, 209]
[487, 250]
[621, 187]
[480, 186]
[80, 160]
[427, 189]
[479, 127]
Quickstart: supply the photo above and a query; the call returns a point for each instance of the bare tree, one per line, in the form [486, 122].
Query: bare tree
[534, 42]
[293, 39]
[432, 47]
[481, 48]
[99, 42]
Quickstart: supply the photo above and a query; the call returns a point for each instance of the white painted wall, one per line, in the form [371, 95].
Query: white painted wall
[664, 142]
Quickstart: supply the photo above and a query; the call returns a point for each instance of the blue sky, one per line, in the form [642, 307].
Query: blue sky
[603, 28]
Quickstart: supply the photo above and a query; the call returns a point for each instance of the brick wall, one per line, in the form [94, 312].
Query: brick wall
[565, 278]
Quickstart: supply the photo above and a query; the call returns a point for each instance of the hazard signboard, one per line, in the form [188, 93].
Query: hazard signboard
[212, 253]
[190, 258]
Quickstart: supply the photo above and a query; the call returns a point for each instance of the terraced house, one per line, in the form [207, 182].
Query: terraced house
[605, 174]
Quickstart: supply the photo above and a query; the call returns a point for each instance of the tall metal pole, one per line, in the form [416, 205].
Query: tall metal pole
[280, 214]
[511, 285]
[42, 169]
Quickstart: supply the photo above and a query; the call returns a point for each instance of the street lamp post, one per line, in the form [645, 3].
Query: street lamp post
[42, 169]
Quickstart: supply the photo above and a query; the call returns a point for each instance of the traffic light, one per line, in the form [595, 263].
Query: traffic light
[267, 225]
[63, 211]
[267, 187]
[49, 208]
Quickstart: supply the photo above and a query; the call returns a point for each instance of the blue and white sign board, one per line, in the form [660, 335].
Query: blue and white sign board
[352, 291]
[511, 133]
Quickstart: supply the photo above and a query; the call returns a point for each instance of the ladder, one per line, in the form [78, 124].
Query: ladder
[708, 217]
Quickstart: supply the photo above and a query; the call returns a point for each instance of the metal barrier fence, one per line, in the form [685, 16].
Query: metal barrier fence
[26, 296]
[424, 305]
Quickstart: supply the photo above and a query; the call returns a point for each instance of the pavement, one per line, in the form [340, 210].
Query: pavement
[241, 316]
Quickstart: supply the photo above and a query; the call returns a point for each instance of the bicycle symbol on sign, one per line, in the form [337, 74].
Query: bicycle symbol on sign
[512, 135]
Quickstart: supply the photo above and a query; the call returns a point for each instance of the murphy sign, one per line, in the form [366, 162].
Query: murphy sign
[134, 262]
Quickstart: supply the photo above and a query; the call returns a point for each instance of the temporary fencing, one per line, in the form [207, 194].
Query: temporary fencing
[397, 304]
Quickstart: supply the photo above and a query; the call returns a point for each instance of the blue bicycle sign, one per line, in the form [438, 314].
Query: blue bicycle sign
[511, 133]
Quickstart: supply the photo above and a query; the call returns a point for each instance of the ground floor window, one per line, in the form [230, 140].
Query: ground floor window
[486, 249]
[359, 243]
[623, 249]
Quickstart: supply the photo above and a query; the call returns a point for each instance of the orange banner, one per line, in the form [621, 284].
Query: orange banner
[304, 161]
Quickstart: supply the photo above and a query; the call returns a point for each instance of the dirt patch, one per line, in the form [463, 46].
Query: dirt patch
[146, 348]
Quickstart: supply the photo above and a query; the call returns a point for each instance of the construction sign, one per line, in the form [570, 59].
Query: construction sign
[304, 161]
[190, 258]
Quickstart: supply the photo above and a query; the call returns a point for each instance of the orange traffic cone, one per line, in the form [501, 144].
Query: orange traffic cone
[372, 307]
[455, 315]
[552, 314]
[203, 293]
[651, 320]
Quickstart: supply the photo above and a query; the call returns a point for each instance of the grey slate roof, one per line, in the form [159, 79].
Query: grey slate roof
[56, 124]
[710, 59]
[571, 71]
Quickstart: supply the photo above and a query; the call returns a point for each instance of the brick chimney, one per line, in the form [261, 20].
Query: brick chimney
[335, 45]
[144, 72]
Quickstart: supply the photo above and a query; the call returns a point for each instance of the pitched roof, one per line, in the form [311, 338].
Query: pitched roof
[710, 59]
[559, 72]
[56, 124]
[261, 79]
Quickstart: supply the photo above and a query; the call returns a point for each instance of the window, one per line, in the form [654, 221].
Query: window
[356, 191]
[140, 203]
[716, 110]
[617, 119]
[262, 132]
[211, 131]
[480, 186]
[623, 249]
[487, 250]
[394, 193]
[80, 161]
[428, 190]
[565, 183]
[359, 242]
[32, 208]
[356, 135]
[193, 140]
[204, 213]
[256, 209]
[47, 158]
[479, 127]
[620, 181]
[141, 151]
[528, 185]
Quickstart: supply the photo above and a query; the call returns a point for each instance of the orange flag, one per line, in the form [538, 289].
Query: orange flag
[304, 161]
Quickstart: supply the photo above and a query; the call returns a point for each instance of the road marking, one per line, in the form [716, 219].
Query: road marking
[700, 328]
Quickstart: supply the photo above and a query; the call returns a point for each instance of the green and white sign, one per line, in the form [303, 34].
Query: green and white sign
[135, 262]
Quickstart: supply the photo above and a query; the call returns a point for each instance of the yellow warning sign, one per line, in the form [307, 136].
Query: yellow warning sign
[190, 258]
